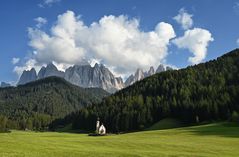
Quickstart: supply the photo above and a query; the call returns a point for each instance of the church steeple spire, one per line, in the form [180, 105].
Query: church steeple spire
[97, 125]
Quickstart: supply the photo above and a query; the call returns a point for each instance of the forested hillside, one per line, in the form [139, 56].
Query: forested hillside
[205, 92]
[36, 104]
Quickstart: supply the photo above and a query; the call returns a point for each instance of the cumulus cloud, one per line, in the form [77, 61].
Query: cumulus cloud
[184, 19]
[31, 63]
[237, 42]
[40, 21]
[116, 41]
[196, 41]
[48, 3]
[15, 60]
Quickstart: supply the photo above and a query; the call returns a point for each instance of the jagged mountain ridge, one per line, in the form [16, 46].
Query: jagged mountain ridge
[140, 74]
[28, 76]
[4, 84]
[81, 75]
[50, 70]
[87, 76]
[97, 76]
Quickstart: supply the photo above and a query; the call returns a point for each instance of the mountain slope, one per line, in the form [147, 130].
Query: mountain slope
[50, 96]
[204, 92]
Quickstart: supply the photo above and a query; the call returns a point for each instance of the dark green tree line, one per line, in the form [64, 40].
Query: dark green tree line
[204, 92]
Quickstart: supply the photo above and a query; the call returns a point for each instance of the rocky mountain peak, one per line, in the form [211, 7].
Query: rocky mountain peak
[84, 75]
[28, 76]
[140, 74]
[96, 65]
[50, 70]
[149, 72]
[160, 68]
[4, 84]
[51, 66]
[97, 76]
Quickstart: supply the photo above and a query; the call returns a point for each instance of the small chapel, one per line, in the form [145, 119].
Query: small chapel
[100, 129]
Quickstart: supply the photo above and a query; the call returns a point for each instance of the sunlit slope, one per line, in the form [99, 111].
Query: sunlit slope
[203, 141]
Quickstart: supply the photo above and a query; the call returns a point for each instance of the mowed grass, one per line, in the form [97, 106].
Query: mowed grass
[213, 140]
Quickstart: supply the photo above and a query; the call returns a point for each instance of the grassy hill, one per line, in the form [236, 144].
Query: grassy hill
[213, 140]
[44, 100]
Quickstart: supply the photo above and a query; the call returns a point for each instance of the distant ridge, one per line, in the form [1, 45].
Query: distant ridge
[140, 74]
[86, 76]
[4, 84]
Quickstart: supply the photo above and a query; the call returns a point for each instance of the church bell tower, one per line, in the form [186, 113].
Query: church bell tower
[97, 125]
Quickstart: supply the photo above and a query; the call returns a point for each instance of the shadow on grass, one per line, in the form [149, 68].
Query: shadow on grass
[72, 131]
[68, 129]
[5, 131]
[225, 129]
[167, 123]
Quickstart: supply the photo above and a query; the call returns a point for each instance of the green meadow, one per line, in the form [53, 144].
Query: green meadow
[212, 140]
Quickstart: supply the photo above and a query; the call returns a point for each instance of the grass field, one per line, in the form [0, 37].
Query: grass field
[214, 140]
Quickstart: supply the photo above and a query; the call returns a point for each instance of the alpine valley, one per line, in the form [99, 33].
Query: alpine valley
[183, 94]
[119, 78]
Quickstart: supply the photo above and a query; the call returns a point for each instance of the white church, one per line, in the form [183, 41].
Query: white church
[100, 129]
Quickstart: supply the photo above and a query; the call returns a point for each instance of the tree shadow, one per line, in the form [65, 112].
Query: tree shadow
[5, 131]
[224, 129]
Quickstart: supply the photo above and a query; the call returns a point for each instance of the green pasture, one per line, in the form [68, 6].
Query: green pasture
[213, 140]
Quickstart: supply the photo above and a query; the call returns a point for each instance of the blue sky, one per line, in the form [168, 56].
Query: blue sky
[219, 18]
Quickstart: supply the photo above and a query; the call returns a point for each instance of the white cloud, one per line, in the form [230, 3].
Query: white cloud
[48, 3]
[238, 42]
[51, 1]
[31, 63]
[62, 66]
[40, 21]
[15, 60]
[184, 19]
[115, 41]
[196, 41]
